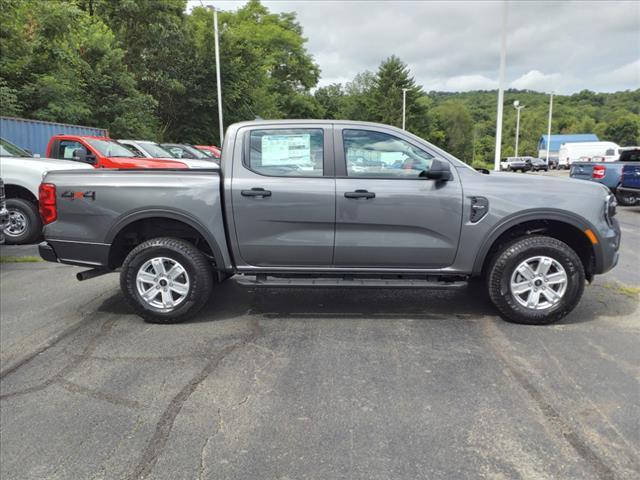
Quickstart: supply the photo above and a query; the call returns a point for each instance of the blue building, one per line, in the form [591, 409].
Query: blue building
[557, 140]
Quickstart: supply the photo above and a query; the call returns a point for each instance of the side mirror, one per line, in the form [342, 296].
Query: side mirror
[440, 170]
[81, 155]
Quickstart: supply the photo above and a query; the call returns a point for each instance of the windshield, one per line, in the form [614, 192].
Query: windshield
[10, 150]
[195, 152]
[109, 148]
[155, 150]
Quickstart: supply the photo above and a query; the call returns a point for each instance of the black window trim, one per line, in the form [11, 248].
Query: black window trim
[327, 147]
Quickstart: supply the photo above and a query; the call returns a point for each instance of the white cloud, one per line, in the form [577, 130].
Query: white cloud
[536, 80]
[464, 83]
[584, 44]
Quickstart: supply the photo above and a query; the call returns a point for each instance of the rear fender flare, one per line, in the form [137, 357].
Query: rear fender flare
[177, 215]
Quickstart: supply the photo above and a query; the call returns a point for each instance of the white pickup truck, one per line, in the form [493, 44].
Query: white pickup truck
[22, 175]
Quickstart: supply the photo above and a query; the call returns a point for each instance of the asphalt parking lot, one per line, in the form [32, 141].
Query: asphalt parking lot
[317, 384]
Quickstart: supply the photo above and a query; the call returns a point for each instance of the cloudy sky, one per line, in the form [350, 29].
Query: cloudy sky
[455, 46]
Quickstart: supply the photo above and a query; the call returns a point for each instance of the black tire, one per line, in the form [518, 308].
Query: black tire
[626, 199]
[197, 267]
[507, 259]
[32, 222]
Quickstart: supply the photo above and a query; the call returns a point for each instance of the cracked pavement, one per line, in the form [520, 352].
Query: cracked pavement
[316, 383]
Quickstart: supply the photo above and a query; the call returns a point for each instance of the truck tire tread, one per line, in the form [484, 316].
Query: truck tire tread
[197, 265]
[506, 260]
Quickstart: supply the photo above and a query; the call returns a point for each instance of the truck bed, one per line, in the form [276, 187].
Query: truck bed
[94, 205]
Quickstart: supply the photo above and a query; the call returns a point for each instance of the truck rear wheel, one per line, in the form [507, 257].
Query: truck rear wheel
[166, 280]
[535, 280]
[24, 224]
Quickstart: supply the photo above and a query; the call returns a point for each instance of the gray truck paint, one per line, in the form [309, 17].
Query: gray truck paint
[307, 225]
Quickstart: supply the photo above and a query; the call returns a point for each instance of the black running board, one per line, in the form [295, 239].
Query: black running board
[430, 282]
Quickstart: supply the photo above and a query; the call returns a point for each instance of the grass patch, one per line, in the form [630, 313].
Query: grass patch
[632, 292]
[27, 259]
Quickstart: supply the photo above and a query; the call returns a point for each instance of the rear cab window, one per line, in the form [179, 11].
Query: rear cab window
[295, 152]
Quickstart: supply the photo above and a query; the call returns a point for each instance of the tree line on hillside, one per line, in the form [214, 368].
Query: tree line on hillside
[145, 69]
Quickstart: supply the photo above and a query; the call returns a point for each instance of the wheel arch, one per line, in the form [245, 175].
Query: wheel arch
[12, 190]
[562, 225]
[143, 225]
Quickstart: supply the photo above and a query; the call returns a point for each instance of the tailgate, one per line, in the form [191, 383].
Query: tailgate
[631, 176]
[581, 170]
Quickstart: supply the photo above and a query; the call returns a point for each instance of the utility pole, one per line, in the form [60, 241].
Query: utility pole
[503, 61]
[404, 107]
[518, 107]
[218, 82]
[549, 127]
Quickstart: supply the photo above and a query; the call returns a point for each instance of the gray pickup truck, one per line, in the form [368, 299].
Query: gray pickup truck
[309, 203]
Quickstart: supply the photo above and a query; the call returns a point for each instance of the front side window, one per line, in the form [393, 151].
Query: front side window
[376, 154]
[295, 152]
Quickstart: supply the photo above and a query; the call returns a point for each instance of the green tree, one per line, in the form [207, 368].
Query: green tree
[392, 77]
[624, 131]
[70, 69]
[456, 122]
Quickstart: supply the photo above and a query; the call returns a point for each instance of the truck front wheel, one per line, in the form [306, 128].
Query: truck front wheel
[535, 280]
[166, 280]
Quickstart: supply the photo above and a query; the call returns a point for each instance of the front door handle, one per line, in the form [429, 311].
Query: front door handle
[359, 194]
[256, 192]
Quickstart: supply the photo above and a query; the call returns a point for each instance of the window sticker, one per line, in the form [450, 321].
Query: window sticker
[286, 149]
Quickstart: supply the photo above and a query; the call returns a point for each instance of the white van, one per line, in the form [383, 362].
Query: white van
[585, 151]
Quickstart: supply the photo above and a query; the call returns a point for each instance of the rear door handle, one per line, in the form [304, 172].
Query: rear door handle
[256, 192]
[360, 194]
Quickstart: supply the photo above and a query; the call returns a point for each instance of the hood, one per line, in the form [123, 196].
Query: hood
[195, 163]
[46, 164]
[137, 162]
[546, 182]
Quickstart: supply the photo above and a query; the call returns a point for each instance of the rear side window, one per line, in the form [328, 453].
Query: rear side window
[630, 156]
[295, 152]
[380, 155]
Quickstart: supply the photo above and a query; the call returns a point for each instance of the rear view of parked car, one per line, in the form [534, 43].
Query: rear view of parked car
[630, 185]
[609, 174]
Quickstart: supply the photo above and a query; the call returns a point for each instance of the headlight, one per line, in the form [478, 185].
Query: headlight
[610, 209]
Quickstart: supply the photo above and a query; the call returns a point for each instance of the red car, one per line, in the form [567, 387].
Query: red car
[212, 149]
[103, 152]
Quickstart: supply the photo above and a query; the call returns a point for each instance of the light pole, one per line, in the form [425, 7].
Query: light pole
[503, 61]
[518, 107]
[218, 82]
[549, 128]
[404, 107]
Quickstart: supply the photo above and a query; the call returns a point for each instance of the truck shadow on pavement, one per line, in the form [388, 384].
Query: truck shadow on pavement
[231, 300]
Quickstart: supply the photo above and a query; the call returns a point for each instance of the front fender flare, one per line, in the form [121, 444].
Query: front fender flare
[538, 214]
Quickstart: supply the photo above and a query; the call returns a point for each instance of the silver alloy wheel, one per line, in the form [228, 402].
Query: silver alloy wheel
[17, 224]
[539, 283]
[162, 283]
